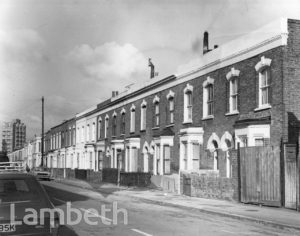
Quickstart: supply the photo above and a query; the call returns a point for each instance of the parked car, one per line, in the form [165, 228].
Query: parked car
[24, 192]
[42, 174]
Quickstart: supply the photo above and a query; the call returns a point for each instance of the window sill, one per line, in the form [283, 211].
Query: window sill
[132, 132]
[232, 113]
[154, 128]
[263, 107]
[187, 122]
[142, 130]
[210, 117]
[170, 125]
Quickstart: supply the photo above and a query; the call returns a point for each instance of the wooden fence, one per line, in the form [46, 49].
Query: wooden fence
[260, 175]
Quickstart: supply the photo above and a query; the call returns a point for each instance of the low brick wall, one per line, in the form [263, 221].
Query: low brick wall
[135, 179]
[94, 176]
[212, 184]
[110, 175]
[140, 179]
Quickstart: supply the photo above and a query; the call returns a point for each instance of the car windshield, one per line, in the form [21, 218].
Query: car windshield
[17, 190]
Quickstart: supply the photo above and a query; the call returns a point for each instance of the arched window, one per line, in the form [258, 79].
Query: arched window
[156, 111]
[114, 125]
[123, 121]
[232, 90]
[264, 82]
[171, 107]
[208, 98]
[106, 126]
[99, 127]
[132, 119]
[188, 103]
[143, 115]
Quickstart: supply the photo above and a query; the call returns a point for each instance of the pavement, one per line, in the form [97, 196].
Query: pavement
[272, 216]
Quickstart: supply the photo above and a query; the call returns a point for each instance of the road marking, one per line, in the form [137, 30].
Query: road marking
[59, 200]
[95, 214]
[141, 232]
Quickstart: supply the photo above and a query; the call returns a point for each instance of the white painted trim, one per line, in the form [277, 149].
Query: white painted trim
[132, 107]
[123, 111]
[263, 107]
[226, 136]
[106, 117]
[232, 113]
[144, 103]
[188, 88]
[262, 63]
[210, 145]
[233, 72]
[146, 146]
[171, 94]
[114, 114]
[155, 99]
[208, 81]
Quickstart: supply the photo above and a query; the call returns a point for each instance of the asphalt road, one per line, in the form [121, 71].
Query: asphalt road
[142, 218]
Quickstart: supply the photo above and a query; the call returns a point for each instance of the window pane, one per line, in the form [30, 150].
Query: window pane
[233, 86]
[189, 98]
[264, 94]
[172, 117]
[157, 108]
[190, 110]
[171, 103]
[210, 92]
[196, 156]
[167, 154]
[234, 102]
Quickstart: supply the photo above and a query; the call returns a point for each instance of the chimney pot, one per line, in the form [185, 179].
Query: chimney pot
[205, 43]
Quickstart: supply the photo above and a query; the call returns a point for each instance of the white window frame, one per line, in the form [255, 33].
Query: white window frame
[261, 67]
[143, 115]
[88, 132]
[114, 125]
[123, 124]
[233, 76]
[99, 127]
[106, 124]
[206, 83]
[82, 134]
[93, 131]
[132, 119]
[170, 98]
[188, 104]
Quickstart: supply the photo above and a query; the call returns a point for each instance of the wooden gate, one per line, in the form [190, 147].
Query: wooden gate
[260, 175]
[290, 176]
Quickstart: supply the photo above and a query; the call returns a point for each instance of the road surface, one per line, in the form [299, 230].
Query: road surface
[143, 218]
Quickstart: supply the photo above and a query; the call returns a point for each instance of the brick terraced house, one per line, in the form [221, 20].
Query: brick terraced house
[243, 93]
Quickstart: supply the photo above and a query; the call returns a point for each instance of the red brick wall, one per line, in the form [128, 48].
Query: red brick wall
[291, 81]
[285, 66]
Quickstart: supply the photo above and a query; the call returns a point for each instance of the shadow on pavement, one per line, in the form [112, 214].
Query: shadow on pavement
[66, 231]
[61, 196]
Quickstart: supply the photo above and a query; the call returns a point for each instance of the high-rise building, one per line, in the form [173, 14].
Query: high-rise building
[13, 135]
[6, 135]
[19, 134]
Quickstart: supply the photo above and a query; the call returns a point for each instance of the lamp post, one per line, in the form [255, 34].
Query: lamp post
[42, 140]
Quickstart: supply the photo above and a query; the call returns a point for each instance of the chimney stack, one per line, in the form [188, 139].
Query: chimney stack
[152, 74]
[205, 43]
[114, 93]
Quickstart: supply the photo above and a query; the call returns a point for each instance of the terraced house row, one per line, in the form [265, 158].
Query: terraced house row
[243, 93]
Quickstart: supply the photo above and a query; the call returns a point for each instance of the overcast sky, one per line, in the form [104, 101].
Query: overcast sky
[75, 52]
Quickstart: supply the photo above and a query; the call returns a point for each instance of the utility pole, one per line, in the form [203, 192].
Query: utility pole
[42, 144]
